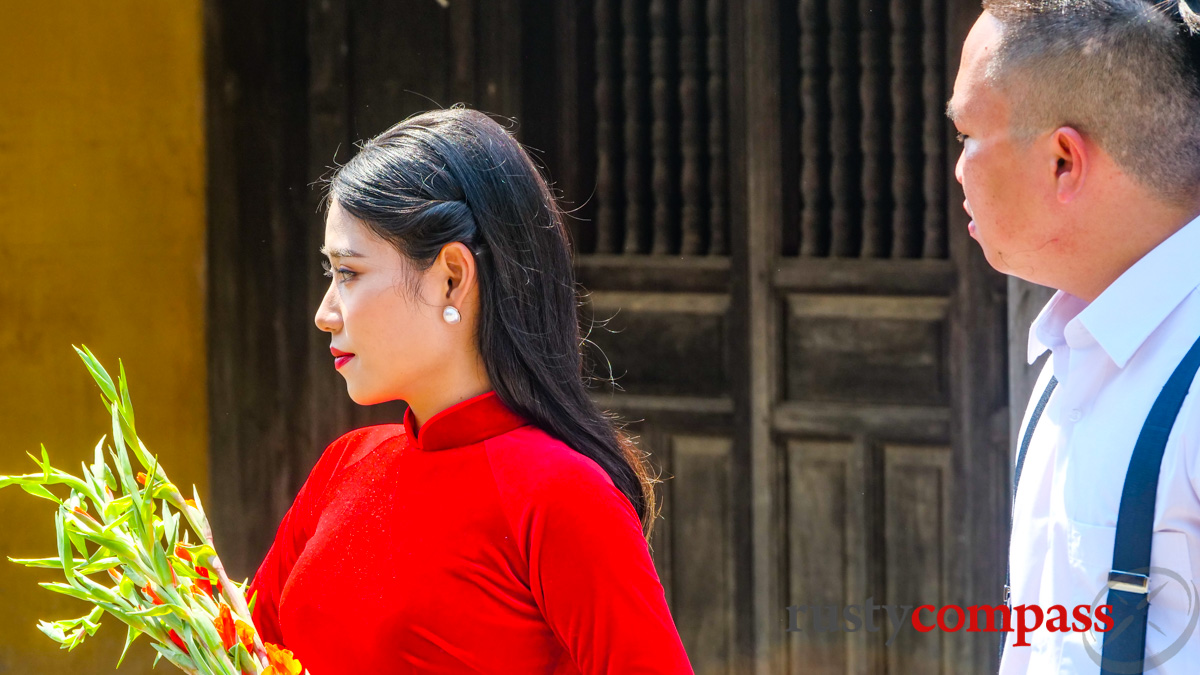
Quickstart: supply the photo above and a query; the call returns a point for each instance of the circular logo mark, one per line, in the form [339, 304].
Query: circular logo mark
[1091, 641]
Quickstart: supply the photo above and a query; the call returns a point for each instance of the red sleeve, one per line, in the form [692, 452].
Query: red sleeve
[293, 533]
[592, 575]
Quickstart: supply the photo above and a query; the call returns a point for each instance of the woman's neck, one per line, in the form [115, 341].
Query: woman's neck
[449, 389]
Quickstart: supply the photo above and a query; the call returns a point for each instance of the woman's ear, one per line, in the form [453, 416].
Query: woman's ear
[457, 274]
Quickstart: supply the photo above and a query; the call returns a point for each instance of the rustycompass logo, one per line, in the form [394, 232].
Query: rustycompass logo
[1093, 642]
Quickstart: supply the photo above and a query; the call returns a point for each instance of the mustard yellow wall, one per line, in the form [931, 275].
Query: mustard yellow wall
[101, 243]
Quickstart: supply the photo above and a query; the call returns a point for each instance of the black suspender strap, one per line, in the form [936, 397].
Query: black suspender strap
[1125, 644]
[1033, 420]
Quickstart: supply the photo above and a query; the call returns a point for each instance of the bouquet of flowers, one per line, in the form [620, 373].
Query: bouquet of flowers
[131, 529]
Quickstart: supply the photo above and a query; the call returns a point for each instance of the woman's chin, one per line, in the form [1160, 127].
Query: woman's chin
[361, 397]
[355, 394]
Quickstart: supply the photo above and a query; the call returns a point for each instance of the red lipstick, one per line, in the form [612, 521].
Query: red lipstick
[341, 358]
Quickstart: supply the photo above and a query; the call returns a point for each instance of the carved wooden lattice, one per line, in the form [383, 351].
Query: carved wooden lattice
[661, 127]
[870, 134]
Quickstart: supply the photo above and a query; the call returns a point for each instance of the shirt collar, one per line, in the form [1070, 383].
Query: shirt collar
[465, 423]
[1124, 315]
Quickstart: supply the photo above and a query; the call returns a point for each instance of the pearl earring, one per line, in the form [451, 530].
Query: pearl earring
[451, 315]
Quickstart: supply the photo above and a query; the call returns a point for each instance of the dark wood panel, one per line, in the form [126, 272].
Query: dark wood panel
[255, 109]
[659, 344]
[657, 273]
[827, 559]
[392, 82]
[703, 548]
[755, 249]
[899, 277]
[866, 349]
[833, 420]
[919, 542]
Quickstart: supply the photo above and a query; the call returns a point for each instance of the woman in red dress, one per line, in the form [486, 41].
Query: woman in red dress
[502, 527]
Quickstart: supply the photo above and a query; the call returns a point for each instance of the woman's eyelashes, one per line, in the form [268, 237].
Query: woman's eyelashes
[962, 137]
[329, 271]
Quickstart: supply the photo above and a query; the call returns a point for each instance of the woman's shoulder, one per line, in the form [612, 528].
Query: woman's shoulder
[353, 446]
[356, 444]
[530, 461]
[547, 489]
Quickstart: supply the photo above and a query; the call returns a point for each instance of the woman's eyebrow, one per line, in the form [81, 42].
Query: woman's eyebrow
[340, 252]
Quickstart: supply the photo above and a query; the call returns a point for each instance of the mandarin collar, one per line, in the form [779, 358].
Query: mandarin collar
[465, 423]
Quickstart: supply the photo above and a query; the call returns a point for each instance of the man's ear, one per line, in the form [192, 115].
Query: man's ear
[457, 274]
[1071, 162]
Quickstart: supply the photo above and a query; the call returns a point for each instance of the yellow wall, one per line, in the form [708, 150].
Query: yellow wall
[102, 243]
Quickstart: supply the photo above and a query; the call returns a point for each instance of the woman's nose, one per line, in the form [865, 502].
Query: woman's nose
[328, 317]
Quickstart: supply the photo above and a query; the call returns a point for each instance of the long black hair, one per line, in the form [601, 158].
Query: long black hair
[456, 175]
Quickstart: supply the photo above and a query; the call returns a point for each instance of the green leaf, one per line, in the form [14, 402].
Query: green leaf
[126, 403]
[196, 498]
[173, 655]
[131, 635]
[121, 506]
[90, 479]
[78, 542]
[46, 462]
[242, 660]
[98, 465]
[98, 373]
[66, 589]
[49, 563]
[157, 610]
[109, 479]
[161, 566]
[53, 631]
[64, 546]
[102, 565]
[126, 588]
[39, 491]
[170, 526]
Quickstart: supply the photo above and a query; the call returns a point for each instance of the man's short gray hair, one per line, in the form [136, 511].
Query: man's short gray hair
[1122, 72]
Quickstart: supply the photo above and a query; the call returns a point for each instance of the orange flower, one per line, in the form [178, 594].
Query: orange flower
[141, 479]
[245, 633]
[190, 502]
[203, 583]
[225, 627]
[178, 641]
[182, 553]
[149, 590]
[88, 516]
[282, 662]
[112, 572]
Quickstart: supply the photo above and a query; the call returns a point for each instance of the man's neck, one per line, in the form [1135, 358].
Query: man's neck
[1117, 242]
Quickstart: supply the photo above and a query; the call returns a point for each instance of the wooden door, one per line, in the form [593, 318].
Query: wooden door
[781, 297]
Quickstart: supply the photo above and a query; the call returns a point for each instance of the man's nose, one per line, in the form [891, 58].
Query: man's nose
[958, 168]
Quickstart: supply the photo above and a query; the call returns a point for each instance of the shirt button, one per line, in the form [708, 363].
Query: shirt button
[1075, 415]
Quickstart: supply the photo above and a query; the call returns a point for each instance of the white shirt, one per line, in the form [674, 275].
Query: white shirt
[1111, 358]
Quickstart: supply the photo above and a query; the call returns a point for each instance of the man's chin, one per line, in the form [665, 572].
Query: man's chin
[995, 260]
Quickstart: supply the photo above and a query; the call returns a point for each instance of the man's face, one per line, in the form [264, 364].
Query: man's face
[1009, 194]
